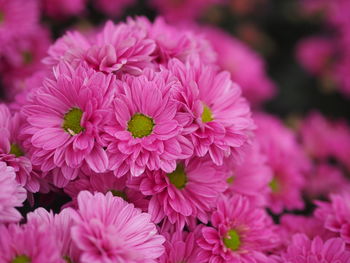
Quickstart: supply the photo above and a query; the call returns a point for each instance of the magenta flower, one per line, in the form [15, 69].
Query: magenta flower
[22, 57]
[247, 68]
[11, 195]
[108, 229]
[189, 192]
[113, 7]
[240, 233]
[58, 226]
[12, 149]
[302, 249]
[62, 8]
[175, 10]
[215, 116]
[181, 246]
[144, 131]
[336, 215]
[177, 42]
[287, 161]
[63, 130]
[253, 168]
[17, 17]
[28, 243]
[106, 182]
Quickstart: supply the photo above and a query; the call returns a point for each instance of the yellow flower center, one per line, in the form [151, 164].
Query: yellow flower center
[27, 57]
[207, 115]
[71, 122]
[16, 150]
[140, 125]
[178, 177]
[230, 180]
[275, 185]
[232, 240]
[21, 259]
[119, 193]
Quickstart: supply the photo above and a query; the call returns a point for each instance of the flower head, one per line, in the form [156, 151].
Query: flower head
[240, 233]
[144, 131]
[11, 195]
[63, 130]
[108, 229]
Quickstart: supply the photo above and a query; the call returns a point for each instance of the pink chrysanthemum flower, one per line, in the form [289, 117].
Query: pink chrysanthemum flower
[175, 10]
[113, 7]
[240, 233]
[107, 182]
[287, 161]
[12, 150]
[64, 120]
[310, 226]
[315, 54]
[17, 17]
[108, 229]
[11, 195]
[302, 250]
[336, 215]
[59, 226]
[189, 192]
[124, 47]
[144, 131]
[326, 179]
[22, 58]
[177, 42]
[62, 8]
[215, 116]
[28, 243]
[181, 246]
[253, 168]
[247, 68]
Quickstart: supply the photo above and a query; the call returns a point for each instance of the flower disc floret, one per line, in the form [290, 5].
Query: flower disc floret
[140, 125]
[72, 120]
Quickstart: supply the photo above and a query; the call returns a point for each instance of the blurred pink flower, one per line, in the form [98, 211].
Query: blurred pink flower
[59, 9]
[108, 229]
[253, 168]
[11, 195]
[180, 10]
[240, 233]
[247, 67]
[336, 215]
[315, 54]
[287, 161]
[113, 7]
[302, 249]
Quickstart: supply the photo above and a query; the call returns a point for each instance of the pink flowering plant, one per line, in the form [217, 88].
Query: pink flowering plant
[146, 132]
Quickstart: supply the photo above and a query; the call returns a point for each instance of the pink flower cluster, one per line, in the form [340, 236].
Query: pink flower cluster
[327, 55]
[160, 153]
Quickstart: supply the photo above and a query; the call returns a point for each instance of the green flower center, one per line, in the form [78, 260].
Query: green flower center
[178, 177]
[275, 185]
[16, 150]
[2, 17]
[119, 193]
[207, 115]
[27, 57]
[67, 259]
[232, 240]
[21, 259]
[140, 125]
[230, 180]
[71, 122]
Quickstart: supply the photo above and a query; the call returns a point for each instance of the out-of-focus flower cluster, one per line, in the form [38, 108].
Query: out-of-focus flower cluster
[327, 54]
[155, 131]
